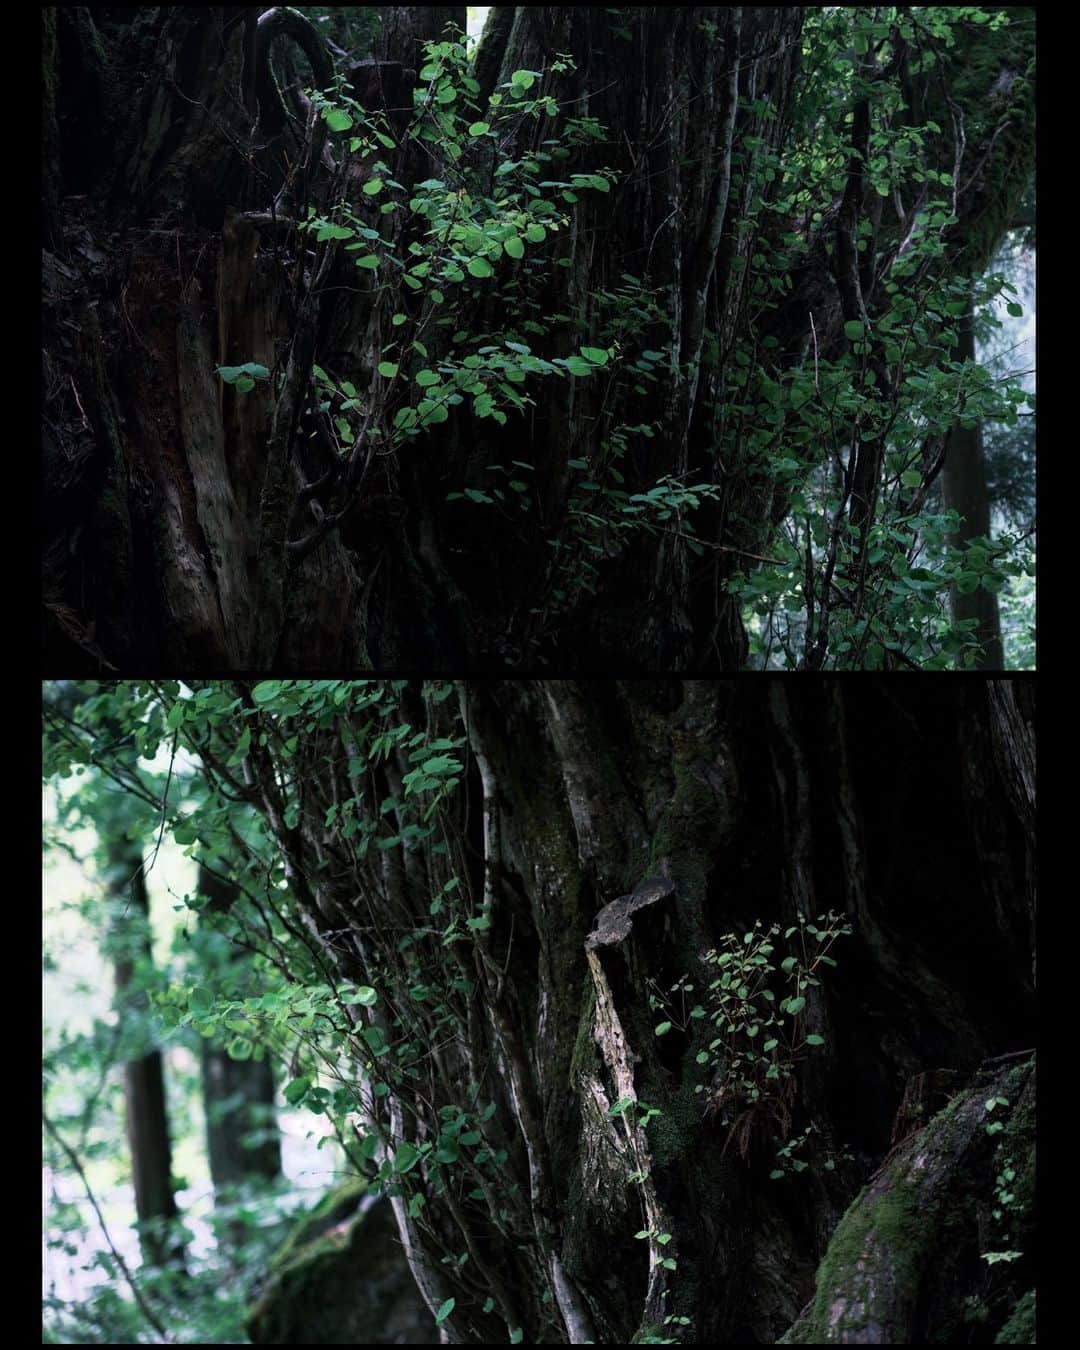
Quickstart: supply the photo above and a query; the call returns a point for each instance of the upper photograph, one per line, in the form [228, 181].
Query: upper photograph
[537, 340]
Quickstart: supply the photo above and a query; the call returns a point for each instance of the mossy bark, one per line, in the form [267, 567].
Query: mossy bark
[905, 1264]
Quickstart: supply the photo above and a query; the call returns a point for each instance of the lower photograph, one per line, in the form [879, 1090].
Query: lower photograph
[654, 1011]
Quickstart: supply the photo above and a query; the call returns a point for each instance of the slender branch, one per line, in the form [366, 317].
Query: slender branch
[77, 1167]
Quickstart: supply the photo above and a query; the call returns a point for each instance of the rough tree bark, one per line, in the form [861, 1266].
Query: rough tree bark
[145, 1105]
[964, 488]
[172, 501]
[607, 834]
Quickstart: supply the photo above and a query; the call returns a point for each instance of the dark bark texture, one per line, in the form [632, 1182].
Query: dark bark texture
[189, 526]
[964, 486]
[611, 833]
[146, 1109]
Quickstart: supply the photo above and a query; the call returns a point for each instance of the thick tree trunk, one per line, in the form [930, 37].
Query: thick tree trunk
[964, 486]
[191, 526]
[737, 805]
[146, 1109]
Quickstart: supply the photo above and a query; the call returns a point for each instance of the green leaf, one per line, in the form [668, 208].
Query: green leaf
[523, 79]
[372, 187]
[365, 995]
[388, 369]
[516, 1335]
[480, 267]
[398, 320]
[426, 378]
[369, 260]
[663, 1028]
[854, 330]
[338, 120]
[815, 1040]
[328, 231]
[535, 234]
[202, 1000]
[406, 1157]
[911, 478]
[297, 1090]
[489, 1303]
[620, 1106]
[479, 128]
[444, 1311]
[376, 1040]
[596, 355]
[796, 1005]
[1014, 309]
[514, 247]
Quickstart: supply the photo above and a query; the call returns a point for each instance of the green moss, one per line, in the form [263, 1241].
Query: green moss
[341, 1280]
[326, 1215]
[898, 1223]
[1020, 1328]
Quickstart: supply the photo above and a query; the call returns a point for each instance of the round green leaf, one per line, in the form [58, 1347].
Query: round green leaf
[426, 378]
[514, 247]
[405, 1157]
[388, 369]
[480, 267]
[297, 1090]
[479, 128]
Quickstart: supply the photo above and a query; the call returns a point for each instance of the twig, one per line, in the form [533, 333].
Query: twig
[73, 1159]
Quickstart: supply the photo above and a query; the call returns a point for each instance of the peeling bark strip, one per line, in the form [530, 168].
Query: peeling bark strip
[614, 920]
[612, 927]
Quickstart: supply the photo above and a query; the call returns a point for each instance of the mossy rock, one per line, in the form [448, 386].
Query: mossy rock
[341, 1279]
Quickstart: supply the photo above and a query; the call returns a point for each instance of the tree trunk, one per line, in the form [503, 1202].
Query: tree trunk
[193, 526]
[144, 1079]
[539, 942]
[964, 487]
[238, 1096]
